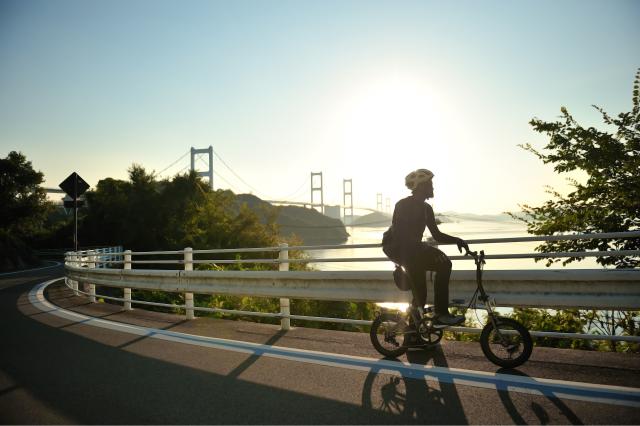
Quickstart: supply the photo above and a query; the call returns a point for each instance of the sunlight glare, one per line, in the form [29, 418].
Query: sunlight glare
[393, 124]
[392, 111]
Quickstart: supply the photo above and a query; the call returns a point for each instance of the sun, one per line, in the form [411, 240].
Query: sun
[391, 112]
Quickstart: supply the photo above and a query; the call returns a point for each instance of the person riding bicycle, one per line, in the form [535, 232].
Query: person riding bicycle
[403, 244]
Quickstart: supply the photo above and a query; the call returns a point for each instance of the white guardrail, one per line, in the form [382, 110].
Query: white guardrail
[617, 289]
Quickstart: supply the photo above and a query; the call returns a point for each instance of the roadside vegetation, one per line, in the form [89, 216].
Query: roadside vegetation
[23, 211]
[606, 200]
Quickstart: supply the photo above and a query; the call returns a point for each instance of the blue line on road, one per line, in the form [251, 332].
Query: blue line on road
[607, 394]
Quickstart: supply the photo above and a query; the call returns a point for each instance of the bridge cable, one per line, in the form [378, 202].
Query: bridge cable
[232, 187]
[235, 174]
[306, 182]
[172, 164]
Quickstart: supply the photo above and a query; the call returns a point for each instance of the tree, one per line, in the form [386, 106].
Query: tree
[23, 209]
[23, 203]
[145, 214]
[608, 201]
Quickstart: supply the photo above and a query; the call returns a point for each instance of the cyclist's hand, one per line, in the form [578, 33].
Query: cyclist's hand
[462, 244]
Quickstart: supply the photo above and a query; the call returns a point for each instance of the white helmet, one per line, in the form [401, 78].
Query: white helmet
[417, 177]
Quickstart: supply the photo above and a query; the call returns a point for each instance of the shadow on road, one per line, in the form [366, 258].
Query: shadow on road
[84, 381]
[253, 358]
[537, 409]
[415, 400]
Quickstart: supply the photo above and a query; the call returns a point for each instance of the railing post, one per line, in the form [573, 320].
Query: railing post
[75, 262]
[127, 291]
[283, 254]
[92, 265]
[188, 297]
[99, 257]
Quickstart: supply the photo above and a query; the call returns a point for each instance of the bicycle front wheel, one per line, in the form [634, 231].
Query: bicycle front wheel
[388, 333]
[506, 342]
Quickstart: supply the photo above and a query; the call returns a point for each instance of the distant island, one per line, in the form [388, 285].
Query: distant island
[380, 219]
[461, 217]
[309, 225]
[315, 228]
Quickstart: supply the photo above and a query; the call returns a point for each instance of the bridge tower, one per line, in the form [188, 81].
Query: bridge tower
[387, 207]
[379, 201]
[347, 201]
[316, 189]
[208, 173]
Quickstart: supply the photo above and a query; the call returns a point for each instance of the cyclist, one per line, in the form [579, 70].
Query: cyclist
[402, 243]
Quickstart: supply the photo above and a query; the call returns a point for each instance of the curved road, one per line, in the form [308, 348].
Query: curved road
[66, 366]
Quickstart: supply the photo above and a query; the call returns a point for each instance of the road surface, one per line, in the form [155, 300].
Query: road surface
[64, 360]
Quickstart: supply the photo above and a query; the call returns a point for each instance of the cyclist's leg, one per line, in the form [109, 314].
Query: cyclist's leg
[416, 268]
[436, 260]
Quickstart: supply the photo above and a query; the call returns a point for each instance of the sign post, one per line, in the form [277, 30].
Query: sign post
[74, 186]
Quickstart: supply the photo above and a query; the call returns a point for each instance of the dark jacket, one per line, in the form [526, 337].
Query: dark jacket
[411, 216]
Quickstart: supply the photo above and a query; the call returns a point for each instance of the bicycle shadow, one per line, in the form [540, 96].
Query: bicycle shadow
[414, 399]
[537, 409]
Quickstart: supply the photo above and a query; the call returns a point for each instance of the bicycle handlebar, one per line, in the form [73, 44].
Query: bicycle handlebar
[478, 258]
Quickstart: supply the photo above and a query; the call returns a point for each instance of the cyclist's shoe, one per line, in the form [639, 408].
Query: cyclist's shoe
[413, 341]
[448, 320]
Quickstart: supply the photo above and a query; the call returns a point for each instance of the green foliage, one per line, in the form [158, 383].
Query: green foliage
[23, 203]
[608, 200]
[146, 214]
[562, 321]
[611, 323]
[332, 309]
[241, 303]
[23, 210]
[472, 319]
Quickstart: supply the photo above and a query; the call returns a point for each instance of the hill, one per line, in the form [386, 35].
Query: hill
[376, 219]
[311, 226]
[380, 219]
[461, 217]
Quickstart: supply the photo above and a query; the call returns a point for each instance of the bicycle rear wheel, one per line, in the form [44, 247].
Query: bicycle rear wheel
[507, 343]
[388, 334]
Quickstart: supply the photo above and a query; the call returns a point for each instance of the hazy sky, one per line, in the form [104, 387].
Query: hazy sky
[363, 90]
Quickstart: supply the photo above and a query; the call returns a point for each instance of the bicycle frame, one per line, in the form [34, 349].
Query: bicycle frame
[483, 296]
[495, 338]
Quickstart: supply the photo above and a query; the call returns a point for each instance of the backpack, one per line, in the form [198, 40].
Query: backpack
[401, 278]
[400, 275]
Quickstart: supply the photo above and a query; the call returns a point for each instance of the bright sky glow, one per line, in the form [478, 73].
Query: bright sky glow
[365, 90]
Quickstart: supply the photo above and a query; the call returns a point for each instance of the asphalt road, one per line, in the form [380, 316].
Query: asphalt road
[57, 367]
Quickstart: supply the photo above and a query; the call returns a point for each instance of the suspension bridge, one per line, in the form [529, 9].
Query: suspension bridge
[202, 163]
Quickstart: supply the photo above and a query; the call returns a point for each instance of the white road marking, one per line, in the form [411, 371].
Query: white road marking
[617, 395]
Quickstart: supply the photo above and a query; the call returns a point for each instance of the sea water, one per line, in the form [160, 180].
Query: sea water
[468, 230]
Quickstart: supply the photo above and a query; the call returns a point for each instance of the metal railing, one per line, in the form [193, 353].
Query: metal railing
[594, 288]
